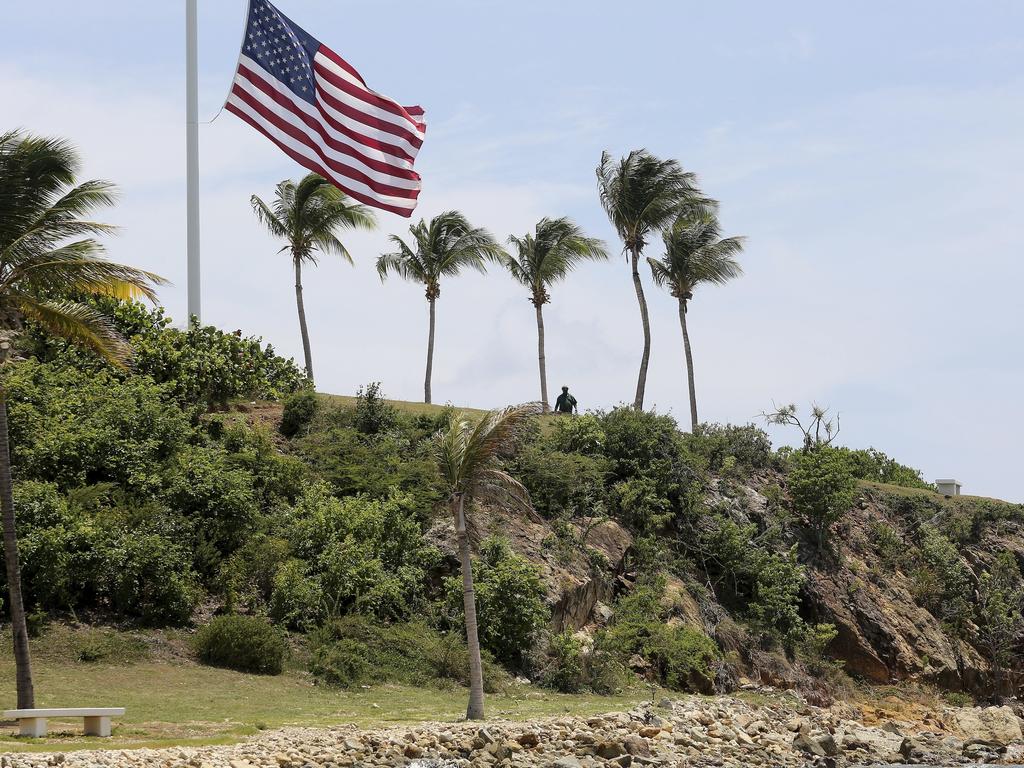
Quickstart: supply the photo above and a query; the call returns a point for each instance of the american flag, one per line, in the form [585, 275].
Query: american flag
[314, 105]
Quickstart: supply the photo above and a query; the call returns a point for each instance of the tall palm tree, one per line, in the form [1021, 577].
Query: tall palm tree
[469, 456]
[695, 253]
[442, 248]
[47, 256]
[308, 216]
[640, 194]
[545, 257]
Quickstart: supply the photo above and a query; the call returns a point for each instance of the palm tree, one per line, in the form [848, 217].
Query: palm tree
[41, 210]
[695, 253]
[469, 456]
[641, 193]
[544, 258]
[308, 216]
[443, 248]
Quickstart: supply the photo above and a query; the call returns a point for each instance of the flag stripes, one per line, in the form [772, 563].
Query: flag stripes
[317, 109]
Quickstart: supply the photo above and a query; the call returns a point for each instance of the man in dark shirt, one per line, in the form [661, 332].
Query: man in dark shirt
[565, 403]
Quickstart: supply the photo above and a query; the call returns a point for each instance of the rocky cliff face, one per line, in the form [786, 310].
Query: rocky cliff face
[579, 587]
[884, 632]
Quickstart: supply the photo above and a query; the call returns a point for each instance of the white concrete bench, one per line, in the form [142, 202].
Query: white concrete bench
[32, 722]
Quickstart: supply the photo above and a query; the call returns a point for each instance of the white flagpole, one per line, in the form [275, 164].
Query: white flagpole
[192, 156]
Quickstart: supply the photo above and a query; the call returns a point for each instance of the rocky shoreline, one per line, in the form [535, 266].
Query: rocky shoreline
[724, 732]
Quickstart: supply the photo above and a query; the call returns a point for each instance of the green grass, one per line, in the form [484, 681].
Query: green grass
[405, 406]
[417, 409]
[171, 700]
[899, 490]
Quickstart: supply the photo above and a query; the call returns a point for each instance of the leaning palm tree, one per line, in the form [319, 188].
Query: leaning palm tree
[695, 253]
[641, 193]
[442, 248]
[47, 257]
[546, 257]
[308, 216]
[469, 456]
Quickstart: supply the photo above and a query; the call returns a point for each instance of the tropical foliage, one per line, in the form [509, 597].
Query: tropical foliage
[695, 255]
[443, 248]
[543, 258]
[48, 257]
[470, 457]
[308, 216]
[642, 194]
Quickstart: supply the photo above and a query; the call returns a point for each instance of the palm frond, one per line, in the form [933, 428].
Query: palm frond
[443, 247]
[79, 323]
[310, 214]
[469, 452]
[268, 217]
[77, 268]
[695, 254]
[641, 193]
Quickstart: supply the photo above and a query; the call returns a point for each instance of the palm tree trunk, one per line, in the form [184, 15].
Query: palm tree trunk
[22, 657]
[689, 366]
[302, 320]
[430, 352]
[475, 710]
[541, 360]
[641, 383]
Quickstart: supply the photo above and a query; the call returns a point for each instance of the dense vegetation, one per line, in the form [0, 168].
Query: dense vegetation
[144, 497]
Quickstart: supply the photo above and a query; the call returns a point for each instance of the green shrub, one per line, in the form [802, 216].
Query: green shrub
[654, 477]
[582, 435]
[249, 575]
[684, 658]
[748, 446]
[889, 544]
[812, 649]
[299, 409]
[563, 484]
[217, 498]
[872, 464]
[200, 366]
[242, 643]
[76, 557]
[643, 443]
[373, 414]
[642, 505]
[147, 576]
[509, 602]
[276, 477]
[296, 598]
[355, 650]
[368, 555]
[374, 466]
[942, 582]
[774, 607]
[606, 673]
[679, 657]
[823, 488]
[564, 669]
[75, 428]
[958, 699]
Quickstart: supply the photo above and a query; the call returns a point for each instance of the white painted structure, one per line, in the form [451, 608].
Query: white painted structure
[32, 722]
[948, 487]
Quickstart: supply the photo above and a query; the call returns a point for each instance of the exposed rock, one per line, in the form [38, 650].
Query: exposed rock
[992, 725]
[574, 590]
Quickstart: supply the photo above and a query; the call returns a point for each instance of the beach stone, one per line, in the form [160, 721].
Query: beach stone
[999, 725]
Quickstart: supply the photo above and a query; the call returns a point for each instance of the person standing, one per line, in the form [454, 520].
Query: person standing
[565, 403]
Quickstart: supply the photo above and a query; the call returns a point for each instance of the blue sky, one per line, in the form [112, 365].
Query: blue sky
[870, 152]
